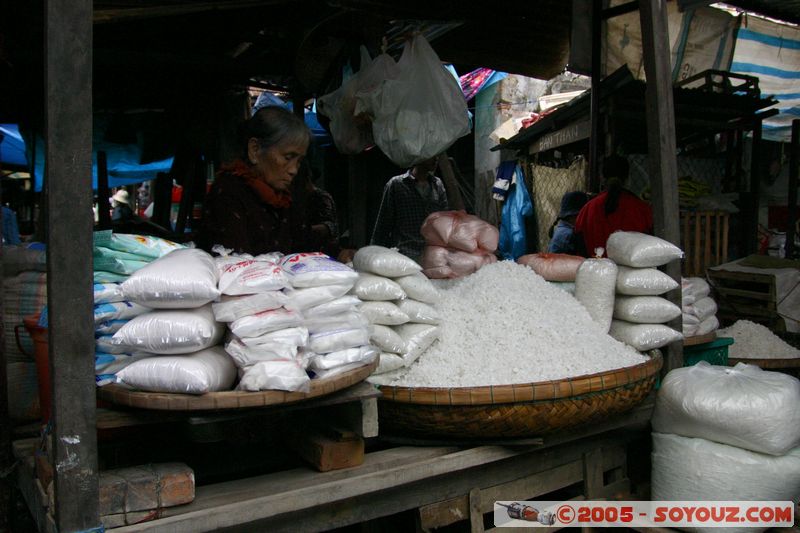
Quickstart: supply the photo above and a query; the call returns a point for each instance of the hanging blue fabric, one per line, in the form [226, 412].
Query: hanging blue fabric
[517, 208]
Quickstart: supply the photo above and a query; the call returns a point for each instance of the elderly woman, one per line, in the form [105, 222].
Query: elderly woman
[248, 209]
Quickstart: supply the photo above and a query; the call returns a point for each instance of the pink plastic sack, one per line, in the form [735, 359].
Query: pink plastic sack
[553, 267]
[459, 230]
[439, 262]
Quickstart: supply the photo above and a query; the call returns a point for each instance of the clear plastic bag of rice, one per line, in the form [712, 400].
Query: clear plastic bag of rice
[384, 262]
[419, 287]
[634, 249]
[595, 285]
[643, 281]
[645, 309]
[383, 313]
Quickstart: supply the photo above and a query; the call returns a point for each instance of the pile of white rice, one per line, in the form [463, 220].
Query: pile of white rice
[505, 324]
[754, 341]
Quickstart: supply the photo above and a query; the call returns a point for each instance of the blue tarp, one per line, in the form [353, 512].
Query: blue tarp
[12, 147]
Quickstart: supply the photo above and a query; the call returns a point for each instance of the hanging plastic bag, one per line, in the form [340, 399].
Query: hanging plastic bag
[352, 134]
[518, 206]
[421, 112]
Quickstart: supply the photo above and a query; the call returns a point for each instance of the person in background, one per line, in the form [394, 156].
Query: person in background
[407, 201]
[319, 211]
[120, 203]
[562, 239]
[10, 227]
[614, 209]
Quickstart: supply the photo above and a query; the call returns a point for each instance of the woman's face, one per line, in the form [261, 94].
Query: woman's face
[278, 164]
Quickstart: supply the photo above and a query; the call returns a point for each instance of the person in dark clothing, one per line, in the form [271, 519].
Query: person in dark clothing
[248, 209]
[407, 201]
[562, 240]
[120, 202]
[319, 211]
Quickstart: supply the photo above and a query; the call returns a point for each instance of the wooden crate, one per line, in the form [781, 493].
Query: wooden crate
[746, 295]
[705, 240]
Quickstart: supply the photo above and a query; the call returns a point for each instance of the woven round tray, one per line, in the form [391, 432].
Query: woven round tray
[700, 339]
[515, 410]
[231, 399]
[794, 362]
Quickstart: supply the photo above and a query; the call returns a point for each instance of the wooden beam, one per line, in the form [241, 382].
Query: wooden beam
[794, 170]
[68, 163]
[661, 146]
[126, 13]
[594, 103]
[750, 237]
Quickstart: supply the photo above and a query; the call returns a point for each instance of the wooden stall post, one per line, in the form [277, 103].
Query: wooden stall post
[661, 146]
[5, 419]
[750, 237]
[594, 109]
[794, 170]
[68, 163]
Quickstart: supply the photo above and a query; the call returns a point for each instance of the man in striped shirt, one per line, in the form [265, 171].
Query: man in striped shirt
[407, 201]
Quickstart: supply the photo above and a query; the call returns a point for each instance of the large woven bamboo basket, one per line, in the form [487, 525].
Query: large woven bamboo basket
[521, 410]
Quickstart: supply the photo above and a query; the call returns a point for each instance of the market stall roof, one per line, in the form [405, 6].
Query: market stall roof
[697, 112]
[152, 53]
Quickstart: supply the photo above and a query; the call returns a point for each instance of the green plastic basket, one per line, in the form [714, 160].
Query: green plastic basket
[714, 352]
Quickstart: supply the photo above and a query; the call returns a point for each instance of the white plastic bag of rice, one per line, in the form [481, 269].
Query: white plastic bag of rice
[595, 285]
[690, 319]
[645, 309]
[245, 356]
[703, 308]
[302, 299]
[387, 339]
[107, 365]
[333, 341]
[324, 374]
[294, 336]
[176, 331]
[634, 249]
[265, 322]
[282, 374]
[383, 313]
[316, 269]
[707, 326]
[643, 337]
[360, 354]
[370, 287]
[696, 287]
[251, 277]
[109, 327]
[643, 281]
[182, 279]
[419, 287]
[105, 344]
[349, 320]
[417, 338]
[419, 312]
[384, 262]
[389, 362]
[231, 308]
[340, 305]
[742, 406]
[205, 371]
[118, 311]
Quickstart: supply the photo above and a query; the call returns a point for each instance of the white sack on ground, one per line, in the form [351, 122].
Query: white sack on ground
[182, 279]
[198, 373]
[633, 249]
[690, 469]
[743, 406]
[383, 313]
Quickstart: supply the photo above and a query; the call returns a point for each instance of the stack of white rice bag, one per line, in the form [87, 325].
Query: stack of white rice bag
[116, 257]
[699, 309]
[726, 434]
[640, 312]
[398, 303]
[179, 332]
[290, 314]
